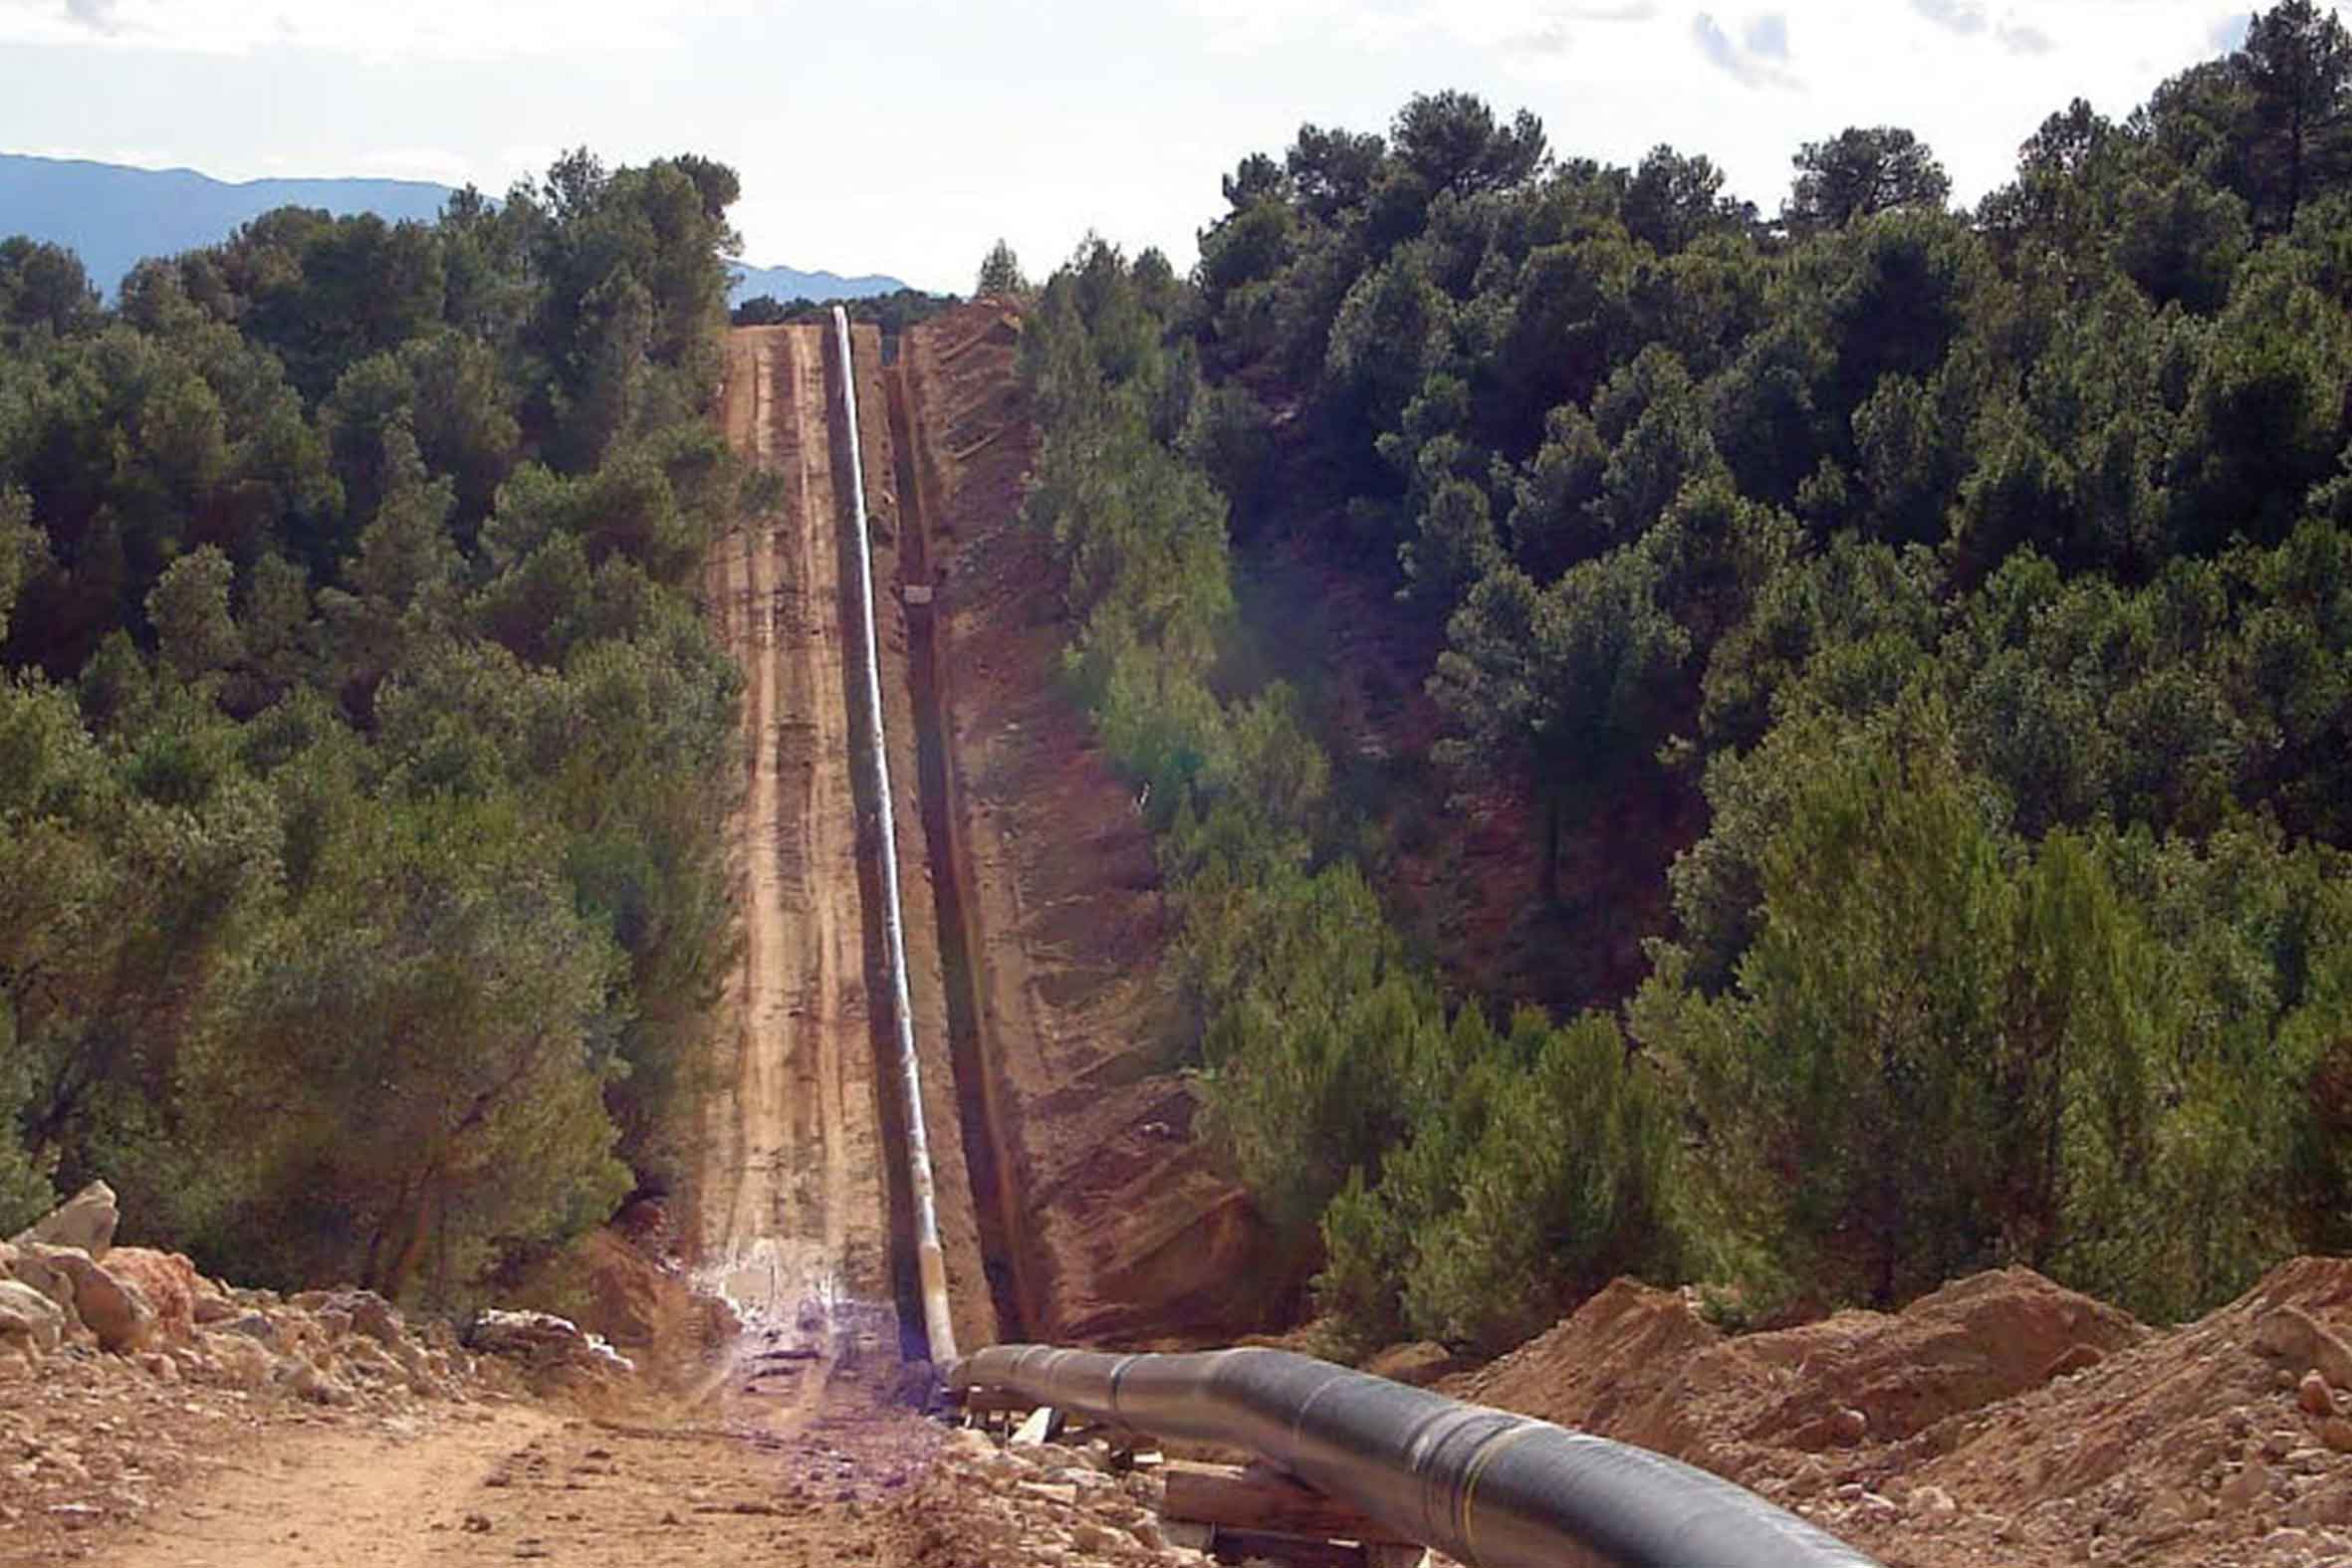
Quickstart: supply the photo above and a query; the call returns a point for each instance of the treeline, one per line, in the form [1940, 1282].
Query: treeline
[360, 889]
[894, 311]
[1980, 581]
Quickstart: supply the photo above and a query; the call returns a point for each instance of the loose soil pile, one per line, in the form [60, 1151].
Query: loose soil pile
[2003, 1420]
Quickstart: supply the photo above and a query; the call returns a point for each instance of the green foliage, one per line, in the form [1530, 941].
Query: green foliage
[1000, 273]
[1943, 623]
[362, 744]
[408, 1062]
[1550, 685]
[1859, 173]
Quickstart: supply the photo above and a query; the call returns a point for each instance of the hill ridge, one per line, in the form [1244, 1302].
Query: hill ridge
[114, 216]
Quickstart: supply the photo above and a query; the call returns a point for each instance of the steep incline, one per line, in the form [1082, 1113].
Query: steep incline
[792, 1195]
[1107, 1223]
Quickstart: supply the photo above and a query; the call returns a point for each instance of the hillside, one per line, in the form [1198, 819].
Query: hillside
[788, 284]
[113, 216]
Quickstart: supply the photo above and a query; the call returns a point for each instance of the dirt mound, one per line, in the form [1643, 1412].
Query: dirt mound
[647, 1307]
[1642, 1365]
[2221, 1442]
[2001, 1420]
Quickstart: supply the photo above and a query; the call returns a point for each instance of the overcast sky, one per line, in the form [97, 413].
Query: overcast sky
[905, 135]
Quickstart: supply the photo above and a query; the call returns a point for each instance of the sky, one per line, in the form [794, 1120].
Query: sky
[907, 135]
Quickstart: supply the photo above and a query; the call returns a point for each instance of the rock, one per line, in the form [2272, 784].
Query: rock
[1931, 1502]
[34, 1267]
[87, 1221]
[1848, 1426]
[2337, 1435]
[301, 1378]
[115, 1310]
[210, 1309]
[168, 1282]
[546, 1347]
[2294, 1336]
[373, 1316]
[28, 1314]
[2074, 1359]
[1089, 1536]
[1419, 1364]
[242, 1361]
[255, 1326]
[2315, 1395]
[2243, 1489]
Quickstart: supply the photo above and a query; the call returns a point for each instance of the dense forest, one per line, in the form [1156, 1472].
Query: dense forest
[362, 746]
[1940, 621]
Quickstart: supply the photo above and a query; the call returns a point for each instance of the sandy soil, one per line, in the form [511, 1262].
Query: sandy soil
[741, 1479]
[790, 1191]
[2002, 1422]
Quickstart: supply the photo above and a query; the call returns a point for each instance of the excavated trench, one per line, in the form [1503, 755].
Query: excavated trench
[889, 1106]
[996, 1197]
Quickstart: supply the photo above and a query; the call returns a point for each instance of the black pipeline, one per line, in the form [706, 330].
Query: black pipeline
[1487, 1488]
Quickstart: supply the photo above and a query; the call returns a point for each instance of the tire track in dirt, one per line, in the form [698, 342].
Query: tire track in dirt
[791, 1197]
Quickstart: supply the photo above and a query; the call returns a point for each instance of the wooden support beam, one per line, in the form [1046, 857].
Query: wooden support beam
[1259, 1498]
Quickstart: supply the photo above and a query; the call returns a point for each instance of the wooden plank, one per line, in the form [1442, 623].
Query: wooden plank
[1043, 1422]
[1259, 1498]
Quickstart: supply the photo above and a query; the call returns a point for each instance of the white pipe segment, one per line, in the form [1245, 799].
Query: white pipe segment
[930, 1261]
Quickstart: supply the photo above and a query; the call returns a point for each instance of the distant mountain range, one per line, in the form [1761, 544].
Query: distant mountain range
[112, 216]
[785, 284]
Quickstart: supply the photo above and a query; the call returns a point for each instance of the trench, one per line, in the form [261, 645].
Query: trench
[995, 1186]
[889, 1110]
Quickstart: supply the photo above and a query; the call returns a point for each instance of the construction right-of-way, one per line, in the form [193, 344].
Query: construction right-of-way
[810, 1216]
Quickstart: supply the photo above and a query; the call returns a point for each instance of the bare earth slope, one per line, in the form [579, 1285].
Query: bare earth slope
[1124, 1233]
[2003, 1420]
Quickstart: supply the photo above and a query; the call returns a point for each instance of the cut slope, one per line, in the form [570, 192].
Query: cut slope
[1126, 1232]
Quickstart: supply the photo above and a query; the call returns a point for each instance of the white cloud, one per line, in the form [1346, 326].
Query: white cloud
[444, 29]
[1539, 25]
[1752, 64]
[1768, 35]
[1965, 16]
[2022, 38]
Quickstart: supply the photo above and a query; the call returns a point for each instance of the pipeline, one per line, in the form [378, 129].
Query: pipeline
[1484, 1486]
[930, 1260]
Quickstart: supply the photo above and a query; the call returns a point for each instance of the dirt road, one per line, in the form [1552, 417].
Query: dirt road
[792, 1196]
